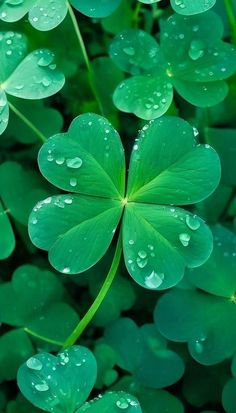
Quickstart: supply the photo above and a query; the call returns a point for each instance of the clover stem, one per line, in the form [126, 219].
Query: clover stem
[231, 19]
[100, 297]
[85, 56]
[20, 115]
[136, 14]
[48, 340]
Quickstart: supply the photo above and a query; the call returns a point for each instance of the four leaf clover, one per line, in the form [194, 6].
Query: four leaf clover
[167, 168]
[191, 58]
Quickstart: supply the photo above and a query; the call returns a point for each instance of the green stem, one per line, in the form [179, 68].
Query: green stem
[85, 56]
[37, 132]
[231, 19]
[48, 340]
[99, 299]
[136, 14]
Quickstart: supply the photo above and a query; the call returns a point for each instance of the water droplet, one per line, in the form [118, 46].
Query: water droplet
[142, 254]
[68, 201]
[42, 387]
[184, 239]
[50, 158]
[141, 263]
[131, 242]
[154, 280]
[129, 51]
[196, 49]
[60, 161]
[74, 163]
[45, 59]
[34, 221]
[34, 364]
[193, 222]
[122, 403]
[73, 181]
[66, 270]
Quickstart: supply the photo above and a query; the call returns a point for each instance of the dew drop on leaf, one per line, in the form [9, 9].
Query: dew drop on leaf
[42, 387]
[122, 403]
[74, 163]
[34, 363]
[184, 239]
[154, 280]
[192, 222]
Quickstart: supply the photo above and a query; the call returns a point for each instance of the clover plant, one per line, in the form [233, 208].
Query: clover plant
[117, 206]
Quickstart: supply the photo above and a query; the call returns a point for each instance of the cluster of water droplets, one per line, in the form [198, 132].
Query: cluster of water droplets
[3, 108]
[48, 17]
[125, 402]
[181, 4]
[11, 45]
[72, 163]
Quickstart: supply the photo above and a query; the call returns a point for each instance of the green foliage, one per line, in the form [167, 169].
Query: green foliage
[197, 69]
[117, 206]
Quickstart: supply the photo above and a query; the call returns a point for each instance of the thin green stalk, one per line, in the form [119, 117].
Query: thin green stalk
[99, 299]
[231, 19]
[48, 340]
[136, 14]
[85, 56]
[37, 132]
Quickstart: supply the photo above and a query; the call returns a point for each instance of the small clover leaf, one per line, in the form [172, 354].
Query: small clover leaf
[78, 228]
[203, 318]
[34, 300]
[43, 15]
[191, 58]
[190, 7]
[96, 8]
[32, 77]
[63, 383]
[144, 353]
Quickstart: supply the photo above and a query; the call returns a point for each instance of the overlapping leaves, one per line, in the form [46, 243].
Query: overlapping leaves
[191, 58]
[159, 241]
[46, 15]
[204, 318]
[63, 383]
[143, 352]
[32, 77]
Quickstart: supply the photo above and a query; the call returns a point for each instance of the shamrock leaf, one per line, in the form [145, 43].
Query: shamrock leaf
[143, 352]
[228, 394]
[89, 162]
[43, 15]
[32, 77]
[34, 300]
[203, 318]
[12, 355]
[189, 7]
[96, 8]
[63, 383]
[191, 58]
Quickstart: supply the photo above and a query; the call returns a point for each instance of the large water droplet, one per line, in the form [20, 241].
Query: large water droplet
[154, 280]
[196, 50]
[42, 387]
[142, 254]
[129, 51]
[74, 163]
[34, 363]
[184, 239]
[122, 403]
[193, 222]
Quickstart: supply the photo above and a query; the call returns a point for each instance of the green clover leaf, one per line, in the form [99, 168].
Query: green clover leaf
[43, 15]
[189, 7]
[159, 240]
[143, 352]
[34, 300]
[191, 58]
[63, 383]
[228, 394]
[96, 8]
[204, 318]
[32, 77]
